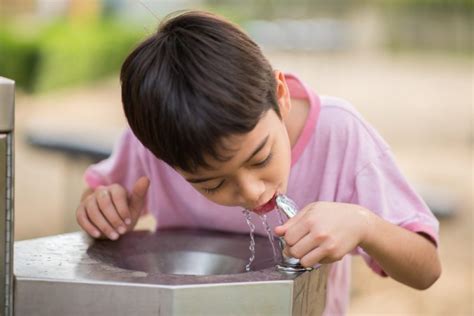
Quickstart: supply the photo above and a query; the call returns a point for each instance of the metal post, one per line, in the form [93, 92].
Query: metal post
[7, 101]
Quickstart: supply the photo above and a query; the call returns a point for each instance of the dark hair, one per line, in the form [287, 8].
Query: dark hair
[196, 81]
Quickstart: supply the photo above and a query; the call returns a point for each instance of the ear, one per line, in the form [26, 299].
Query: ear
[282, 94]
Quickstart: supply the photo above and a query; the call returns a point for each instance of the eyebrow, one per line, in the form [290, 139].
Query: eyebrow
[256, 151]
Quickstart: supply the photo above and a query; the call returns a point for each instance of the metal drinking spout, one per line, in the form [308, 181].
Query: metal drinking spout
[288, 209]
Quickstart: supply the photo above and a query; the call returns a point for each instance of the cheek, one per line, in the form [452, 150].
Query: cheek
[282, 164]
[221, 197]
[284, 149]
[277, 172]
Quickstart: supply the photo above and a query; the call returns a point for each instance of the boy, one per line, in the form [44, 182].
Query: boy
[214, 129]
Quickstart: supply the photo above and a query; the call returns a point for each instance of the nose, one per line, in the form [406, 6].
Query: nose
[250, 189]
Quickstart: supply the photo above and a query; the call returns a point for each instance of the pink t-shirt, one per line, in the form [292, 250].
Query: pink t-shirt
[338, 157]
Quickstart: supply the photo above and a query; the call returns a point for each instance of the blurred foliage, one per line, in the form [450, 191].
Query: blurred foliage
[75, 53]
[429, 4]
[428, 26]
[64, 53]
[241, 10]
[272, 9]
[19, 58]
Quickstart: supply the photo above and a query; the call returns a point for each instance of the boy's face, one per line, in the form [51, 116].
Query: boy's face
[259, 167]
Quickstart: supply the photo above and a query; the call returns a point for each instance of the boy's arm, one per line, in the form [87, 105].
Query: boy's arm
[324, 232]
[405, 256]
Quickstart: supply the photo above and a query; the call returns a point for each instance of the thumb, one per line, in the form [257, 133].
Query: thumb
[281, 229]
[137, 197]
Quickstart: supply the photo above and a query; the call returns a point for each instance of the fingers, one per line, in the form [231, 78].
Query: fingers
[304, 246]
[313, 257]
[119, 199]
[97, 218]
[85, 223]
[137, 196]
[108, 209]
[295, 228]
[281, 230]
[326, 253]
[295, 219]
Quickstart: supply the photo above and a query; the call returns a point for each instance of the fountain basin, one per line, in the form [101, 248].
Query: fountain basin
[170, 272]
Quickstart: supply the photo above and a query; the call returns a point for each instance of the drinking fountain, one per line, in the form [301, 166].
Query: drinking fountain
[7, 93]
[174, 272]
[168, 272]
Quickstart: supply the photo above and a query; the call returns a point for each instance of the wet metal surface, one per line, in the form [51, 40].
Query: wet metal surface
[175, 272]
[166, 257]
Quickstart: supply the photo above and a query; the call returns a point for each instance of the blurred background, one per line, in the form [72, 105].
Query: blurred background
[407, 66]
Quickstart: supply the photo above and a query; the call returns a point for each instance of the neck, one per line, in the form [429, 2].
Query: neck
[296, 119]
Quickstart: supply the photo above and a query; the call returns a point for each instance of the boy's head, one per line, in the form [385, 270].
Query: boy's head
[194, 89]
[194, 82]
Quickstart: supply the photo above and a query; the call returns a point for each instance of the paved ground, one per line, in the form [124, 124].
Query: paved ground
[422, 106]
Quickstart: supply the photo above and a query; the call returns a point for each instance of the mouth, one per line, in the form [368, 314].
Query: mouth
[265, 208]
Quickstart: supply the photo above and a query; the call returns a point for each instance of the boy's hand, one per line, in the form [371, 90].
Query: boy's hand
[108, 211]
[323, 232]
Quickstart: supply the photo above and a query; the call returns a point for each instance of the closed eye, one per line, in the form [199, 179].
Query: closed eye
[214, 189]
[260, 164]
[265, 162]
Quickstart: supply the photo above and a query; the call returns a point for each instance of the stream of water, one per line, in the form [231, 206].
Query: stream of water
[252, 239]
[270, 235]
[271, 238]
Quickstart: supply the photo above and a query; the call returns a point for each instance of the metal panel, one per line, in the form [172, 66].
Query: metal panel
[7, 100]
[309, 292]
[53, 297]
[6, 221]
[7, 92]
[3, 215]
[56, 297]
[259, 298]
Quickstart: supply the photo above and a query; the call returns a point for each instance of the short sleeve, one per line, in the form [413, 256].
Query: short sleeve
[124, 166]
[381, 187]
